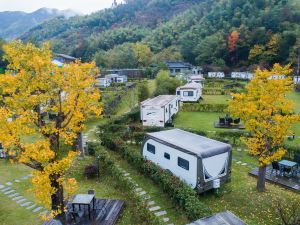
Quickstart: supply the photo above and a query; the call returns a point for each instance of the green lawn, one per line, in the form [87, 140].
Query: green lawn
[105, 187]
[215, 99]
[11, 212]
[240, 197]
[203, 121]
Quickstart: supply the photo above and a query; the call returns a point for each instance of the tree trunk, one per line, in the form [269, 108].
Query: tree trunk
[261, 179]
[57, 199]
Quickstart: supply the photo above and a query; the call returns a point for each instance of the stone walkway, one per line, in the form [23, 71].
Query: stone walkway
[8, 190]
[151, 205]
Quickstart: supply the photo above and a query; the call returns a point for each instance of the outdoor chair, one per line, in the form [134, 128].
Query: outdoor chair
[228, 121]
[297, 159]
[276, 168]
[91, 192]
[237, 121]
[76, 214]
[287, 171]
[222, 121]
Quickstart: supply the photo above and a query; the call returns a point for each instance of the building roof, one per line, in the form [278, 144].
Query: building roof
[160, 100]
[222, 218]
[114, 75]
[65, 56]
[178, 64]
[190, 143]
[191, 85]
[196, 77]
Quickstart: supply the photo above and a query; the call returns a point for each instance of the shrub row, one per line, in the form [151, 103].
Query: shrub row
[215, 91]
[128, 186]
[192, 107]
[182, 194]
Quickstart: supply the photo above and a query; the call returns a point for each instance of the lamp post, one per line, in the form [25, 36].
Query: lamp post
[98, 165]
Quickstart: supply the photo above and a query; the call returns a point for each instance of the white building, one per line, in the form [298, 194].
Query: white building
[190, 92]
[201, 162]
[242, 75]
[159, 111]
[2, 154]
[296, 79]
[216, 74]
[116, 78]
[102, 82]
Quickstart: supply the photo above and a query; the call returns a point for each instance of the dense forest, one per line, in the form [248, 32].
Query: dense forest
[220, 33]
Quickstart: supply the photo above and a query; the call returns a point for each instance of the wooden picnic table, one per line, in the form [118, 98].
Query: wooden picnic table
[84, 199]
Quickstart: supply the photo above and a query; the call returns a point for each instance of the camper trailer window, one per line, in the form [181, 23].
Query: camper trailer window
[151, 148]
[188, 93]
[183, 163]
[167, 155]
[178, 92]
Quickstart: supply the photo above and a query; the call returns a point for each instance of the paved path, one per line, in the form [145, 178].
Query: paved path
[152, 206]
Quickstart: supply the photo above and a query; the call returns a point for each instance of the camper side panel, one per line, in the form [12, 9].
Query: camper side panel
[181, 164]
[152, 116]
[171, 109]
[189, 95]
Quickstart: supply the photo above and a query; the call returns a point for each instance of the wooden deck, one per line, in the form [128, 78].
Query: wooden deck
[232, 126]
[106, 212]
[292, 183]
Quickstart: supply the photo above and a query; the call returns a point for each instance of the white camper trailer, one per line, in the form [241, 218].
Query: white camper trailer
[190, 92]
[216, 74]
[201, 162]
[159, 110]
[196, 79]
[242, 75]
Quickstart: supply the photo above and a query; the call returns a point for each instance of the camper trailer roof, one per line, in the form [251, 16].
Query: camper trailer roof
[160, 100]
[191, 143]
[221, 218]
[191, 85]
[196, 77]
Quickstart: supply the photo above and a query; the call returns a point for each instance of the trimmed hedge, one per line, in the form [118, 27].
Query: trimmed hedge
[216, 91]
[181, 193]
[194, 107]
[128, 186]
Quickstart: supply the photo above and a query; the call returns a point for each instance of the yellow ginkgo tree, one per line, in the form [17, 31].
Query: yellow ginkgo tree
[32, 89]
[268, 115]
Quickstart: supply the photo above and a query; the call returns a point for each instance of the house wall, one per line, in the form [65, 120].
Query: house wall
[296, 79]
[189, 176]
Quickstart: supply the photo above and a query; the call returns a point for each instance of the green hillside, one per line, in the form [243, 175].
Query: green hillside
[234, 33]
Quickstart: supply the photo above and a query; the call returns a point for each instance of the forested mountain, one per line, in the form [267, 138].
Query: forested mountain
[222, 33]
[14, 23]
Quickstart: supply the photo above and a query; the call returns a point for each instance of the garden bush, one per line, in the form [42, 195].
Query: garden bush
[194, 107]
[91, 148]
[91, 171]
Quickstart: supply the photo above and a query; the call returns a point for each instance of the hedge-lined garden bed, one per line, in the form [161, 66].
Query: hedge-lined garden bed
[194, 107]
[128, 186]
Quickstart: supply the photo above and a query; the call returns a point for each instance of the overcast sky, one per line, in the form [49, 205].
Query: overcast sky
[83, 6]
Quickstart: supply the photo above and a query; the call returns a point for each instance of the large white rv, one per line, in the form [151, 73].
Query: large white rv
[190, 92]
[159, 111]
[201, 162]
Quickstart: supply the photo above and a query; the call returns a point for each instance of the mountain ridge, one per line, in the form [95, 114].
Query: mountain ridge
[223, 33]
[15, 23]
